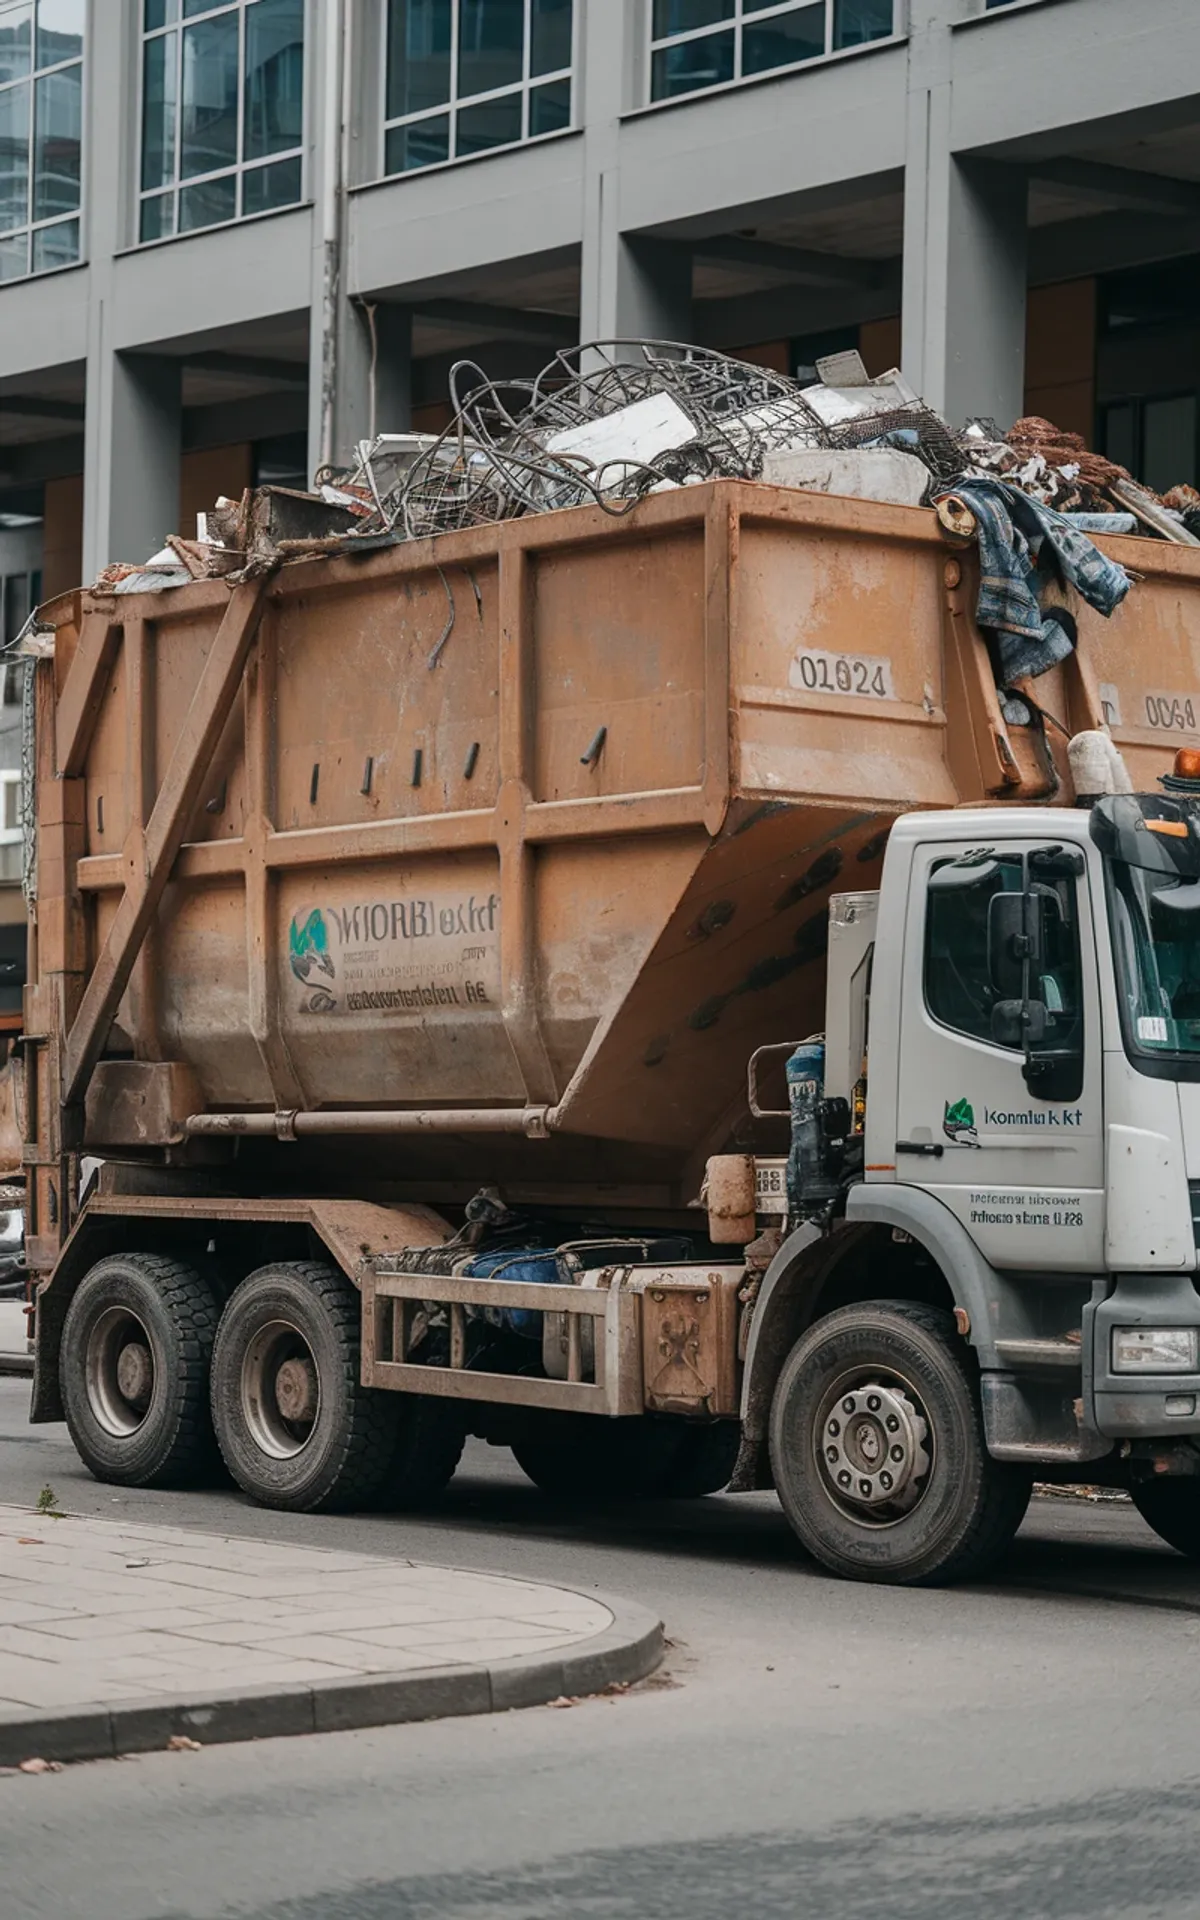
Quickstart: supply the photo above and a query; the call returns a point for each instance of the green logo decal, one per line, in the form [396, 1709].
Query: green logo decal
[958, 1123]
[308, 954]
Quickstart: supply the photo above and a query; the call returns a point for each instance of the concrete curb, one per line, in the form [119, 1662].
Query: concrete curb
[630, 1649]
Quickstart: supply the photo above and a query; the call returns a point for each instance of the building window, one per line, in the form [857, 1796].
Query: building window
[19, 594]
[707, 43]
[222, 112]
[11, 833]
[464, 76]
[1157, 439]
[41, 95]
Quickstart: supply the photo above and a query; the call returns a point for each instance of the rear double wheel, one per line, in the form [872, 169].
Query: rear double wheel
[133, 1371]
[295, 1424]
[878, 1450]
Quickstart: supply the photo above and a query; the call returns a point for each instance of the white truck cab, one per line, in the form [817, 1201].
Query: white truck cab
[1021, 1004]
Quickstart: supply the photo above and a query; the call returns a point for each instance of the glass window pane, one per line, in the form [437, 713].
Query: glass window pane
[692, 64]
[158, 110]
[958, 983]
[159, 12]
[1169, 443]
[201, 6]
[209, 106]
[60, 26]
[780, 41]
[276, 186]
[550, 48]
[680, 16]
[14, 157]
[274, 113]
[208, 203]
[16, 43]
[497, 123]
[56, 122]
[418, 74]
[1120, 440]
[14, 257]
[56, 246]
[421, 144]
[857, 21]
[491, 43]
[550, 107]
[158, 217]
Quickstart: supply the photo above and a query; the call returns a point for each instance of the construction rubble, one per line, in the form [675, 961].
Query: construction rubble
[609, 423]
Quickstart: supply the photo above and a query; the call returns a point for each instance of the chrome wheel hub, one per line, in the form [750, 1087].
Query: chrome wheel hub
[873, 1449]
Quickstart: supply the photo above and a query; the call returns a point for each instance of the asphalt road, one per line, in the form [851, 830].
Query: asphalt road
[1026, 1748]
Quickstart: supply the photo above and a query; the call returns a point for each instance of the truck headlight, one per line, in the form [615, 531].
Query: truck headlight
[1155, 1349]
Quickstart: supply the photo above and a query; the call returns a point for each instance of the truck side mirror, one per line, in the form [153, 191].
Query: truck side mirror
[1013, 942]
[1019, 1023]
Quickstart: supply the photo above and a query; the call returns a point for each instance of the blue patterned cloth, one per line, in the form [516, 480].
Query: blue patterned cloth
[1024, 545]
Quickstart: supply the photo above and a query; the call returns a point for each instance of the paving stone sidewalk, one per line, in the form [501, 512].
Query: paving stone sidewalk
[114, 1636]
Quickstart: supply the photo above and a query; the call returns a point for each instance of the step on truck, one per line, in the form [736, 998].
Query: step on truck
[427, 948]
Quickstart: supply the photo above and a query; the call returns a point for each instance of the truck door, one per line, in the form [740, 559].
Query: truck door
[1000, 1107]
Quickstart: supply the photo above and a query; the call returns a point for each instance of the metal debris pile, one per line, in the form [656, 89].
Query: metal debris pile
[608, 423]
[605, 425]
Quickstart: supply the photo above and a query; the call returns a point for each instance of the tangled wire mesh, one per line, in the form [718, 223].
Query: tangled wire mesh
[687, 413]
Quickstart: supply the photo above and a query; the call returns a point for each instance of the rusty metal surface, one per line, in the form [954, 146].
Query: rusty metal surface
[140, 1103]
[616, 1386]
[405, 886]
[690, 1338]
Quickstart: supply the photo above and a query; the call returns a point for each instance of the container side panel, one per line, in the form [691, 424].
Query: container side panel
[204, 997]
[389, 983]
[837, 666]
[600, 909]
[1145, 662]
[366, 728]
[740, 965]
[619, 639]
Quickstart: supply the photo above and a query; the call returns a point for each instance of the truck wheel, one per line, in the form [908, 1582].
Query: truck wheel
[134, 1364]
[430, 1436]
[1172, 1508]
[296, 1427]
[878, 1452]
[705, 1461]
[587, 1457]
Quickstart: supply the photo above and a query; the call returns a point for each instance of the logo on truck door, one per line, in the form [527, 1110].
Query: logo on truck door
[958, 1124]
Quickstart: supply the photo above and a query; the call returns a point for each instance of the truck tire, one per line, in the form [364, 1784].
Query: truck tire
[878, 1451]
[133, 1366]
[296, 1427]
[1172, 1508]
[705, 1461]
[430, 1437]
[587, 1457]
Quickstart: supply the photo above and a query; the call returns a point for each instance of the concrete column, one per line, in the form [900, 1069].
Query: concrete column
[132, 426]
[965, 249]
[630, 285]
[132, 457]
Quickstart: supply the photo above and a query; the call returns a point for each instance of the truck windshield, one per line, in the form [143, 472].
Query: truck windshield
[1152, 868]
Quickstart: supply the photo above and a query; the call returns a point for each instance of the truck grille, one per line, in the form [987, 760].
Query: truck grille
[1194, 1197]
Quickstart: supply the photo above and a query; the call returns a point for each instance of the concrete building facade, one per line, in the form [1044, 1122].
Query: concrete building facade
[236, 235]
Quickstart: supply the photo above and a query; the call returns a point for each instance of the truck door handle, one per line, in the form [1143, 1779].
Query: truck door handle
[928, 1149]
